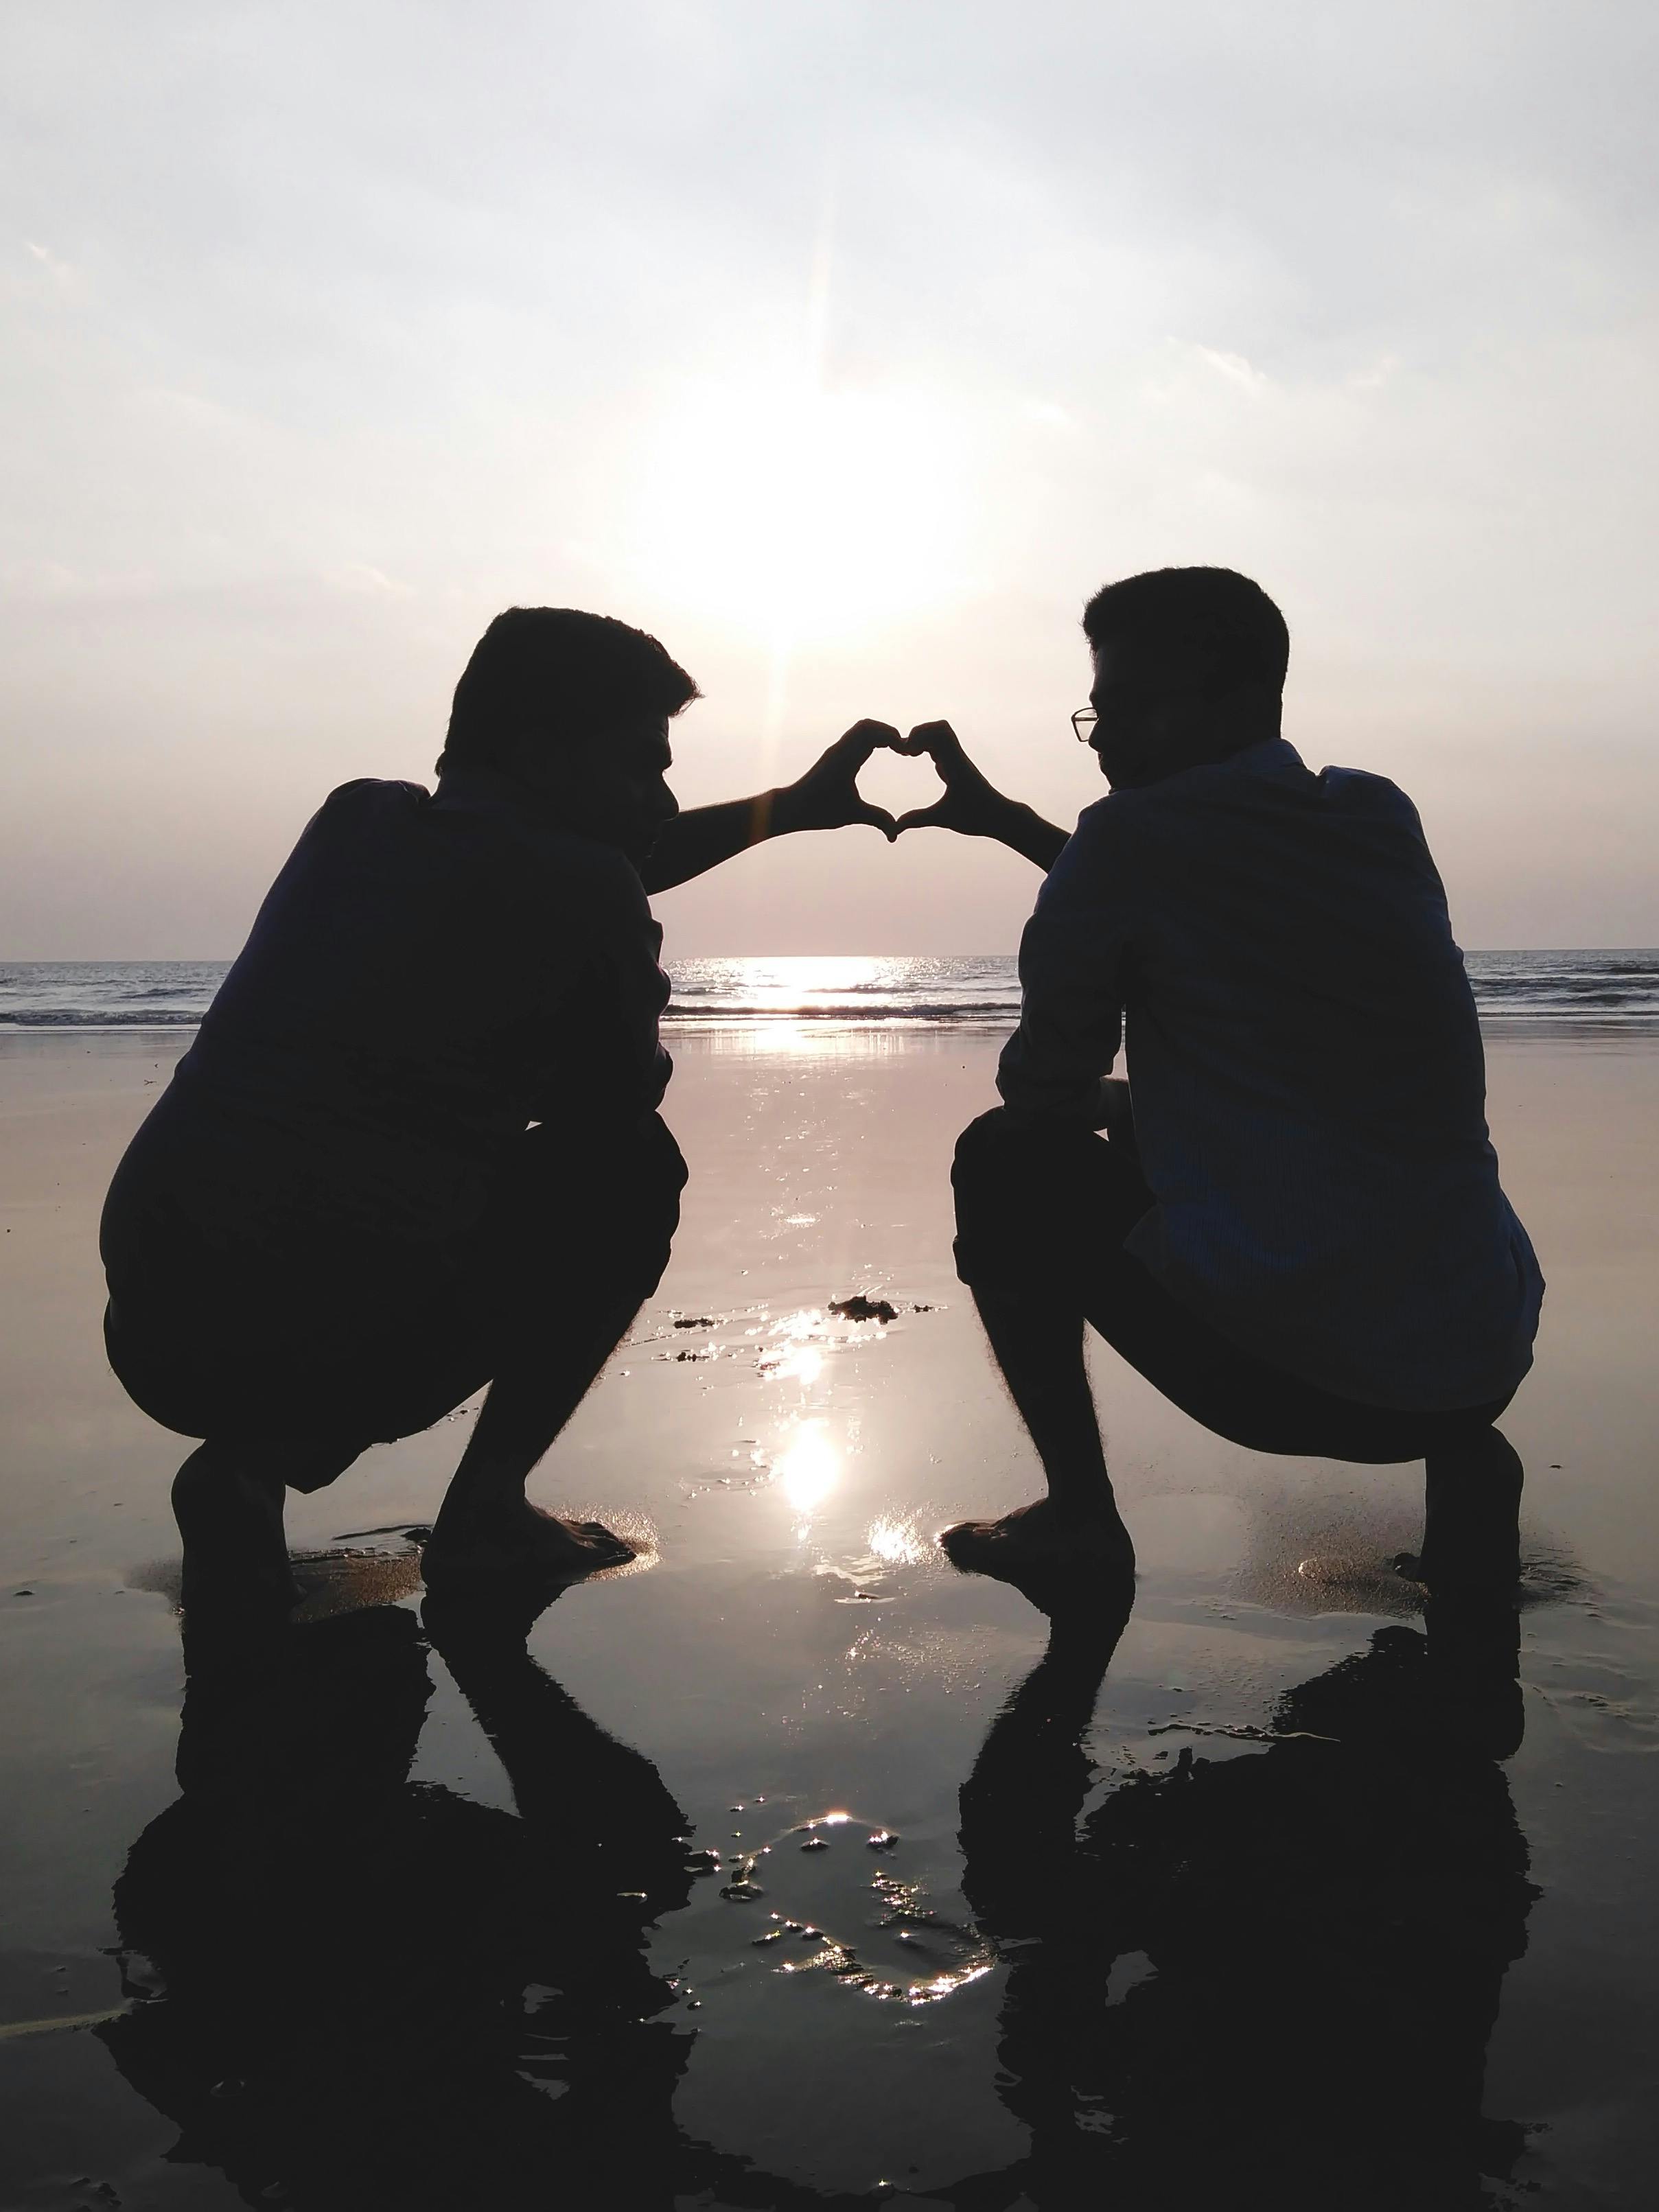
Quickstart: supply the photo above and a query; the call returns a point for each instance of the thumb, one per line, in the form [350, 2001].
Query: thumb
[919, 817]
[879, 818]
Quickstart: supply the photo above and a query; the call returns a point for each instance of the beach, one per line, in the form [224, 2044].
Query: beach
[855, 2022]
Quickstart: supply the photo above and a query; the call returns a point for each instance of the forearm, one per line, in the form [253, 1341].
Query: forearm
[1024, 830]
[700, 839]
[1059, 1096]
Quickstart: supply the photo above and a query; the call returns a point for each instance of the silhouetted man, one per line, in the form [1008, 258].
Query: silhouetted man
[1297, 1232]
[338, 1222]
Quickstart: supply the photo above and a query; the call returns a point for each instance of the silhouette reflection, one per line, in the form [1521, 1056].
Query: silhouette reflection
[354, 1990]
[1268, 1977]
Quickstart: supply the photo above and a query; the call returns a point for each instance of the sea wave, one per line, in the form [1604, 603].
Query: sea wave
[891, 1010]
[1577, 992]
[97, 1017]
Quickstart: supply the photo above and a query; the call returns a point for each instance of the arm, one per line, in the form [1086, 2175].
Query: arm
[596, 977]
[1054, 1067]
[825, 797]
[974, 807]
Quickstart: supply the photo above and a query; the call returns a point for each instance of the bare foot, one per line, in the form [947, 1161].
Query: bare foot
[1035, 1543]
[520, 1543]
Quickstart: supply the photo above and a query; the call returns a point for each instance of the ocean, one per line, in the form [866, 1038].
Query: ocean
[1583, 990]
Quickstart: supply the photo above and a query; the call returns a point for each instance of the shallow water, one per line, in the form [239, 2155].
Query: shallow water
[1265, 1889]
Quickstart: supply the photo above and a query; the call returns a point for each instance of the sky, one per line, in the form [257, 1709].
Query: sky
[847, 348]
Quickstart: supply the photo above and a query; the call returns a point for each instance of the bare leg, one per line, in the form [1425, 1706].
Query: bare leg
[1040, 1351]
[228, 1500]
[487, 1526]
[1471, 1527]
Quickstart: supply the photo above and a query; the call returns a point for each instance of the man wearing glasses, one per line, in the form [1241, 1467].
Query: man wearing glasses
[1298, 1235]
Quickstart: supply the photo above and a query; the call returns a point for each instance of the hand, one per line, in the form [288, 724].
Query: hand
[827, 796]
[969, 804]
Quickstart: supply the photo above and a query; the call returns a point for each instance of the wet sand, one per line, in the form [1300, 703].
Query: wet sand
[457, 1957]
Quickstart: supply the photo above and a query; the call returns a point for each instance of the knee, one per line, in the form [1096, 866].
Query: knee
[996, 1217]
[633, 1174]
[643, 1208]
[999, 1159]
[665, 1161]
[657, 1173]
[984, 1150]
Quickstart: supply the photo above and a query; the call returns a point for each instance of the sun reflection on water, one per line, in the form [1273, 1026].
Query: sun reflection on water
[808, 1467]
[803, 1362]
[899, 1542]
[803, 980]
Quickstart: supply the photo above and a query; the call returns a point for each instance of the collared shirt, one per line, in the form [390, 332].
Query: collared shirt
[1273, 951]
[428, 973]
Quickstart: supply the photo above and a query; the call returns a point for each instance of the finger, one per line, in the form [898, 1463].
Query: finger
[879, 818]
[937, 740]
[920, 818]
[864, 737]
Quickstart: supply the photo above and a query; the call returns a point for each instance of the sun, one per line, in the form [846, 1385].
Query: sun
[792, 511]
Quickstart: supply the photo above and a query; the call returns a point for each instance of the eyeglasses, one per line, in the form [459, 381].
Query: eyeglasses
[1083, 725]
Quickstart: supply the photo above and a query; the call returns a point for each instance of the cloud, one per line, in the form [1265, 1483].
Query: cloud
[1233, 366]
[49, 261]
[384, 318]
[357, 579]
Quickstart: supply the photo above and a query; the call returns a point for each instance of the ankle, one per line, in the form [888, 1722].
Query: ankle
[464, 1512]
[1090, 1505]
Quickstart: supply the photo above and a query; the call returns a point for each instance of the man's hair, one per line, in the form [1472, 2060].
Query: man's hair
[555, 674]
[1211, 623]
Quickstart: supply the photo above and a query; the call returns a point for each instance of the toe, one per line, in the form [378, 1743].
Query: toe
[967, 1543]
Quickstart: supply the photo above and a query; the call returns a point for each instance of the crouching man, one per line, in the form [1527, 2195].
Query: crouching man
[416, 1146]
[1291, 1224]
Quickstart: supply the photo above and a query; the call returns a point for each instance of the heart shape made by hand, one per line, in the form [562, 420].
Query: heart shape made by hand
[899, 784]
[829, 796]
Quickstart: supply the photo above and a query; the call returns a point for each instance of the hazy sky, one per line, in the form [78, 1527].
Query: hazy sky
[847, 347]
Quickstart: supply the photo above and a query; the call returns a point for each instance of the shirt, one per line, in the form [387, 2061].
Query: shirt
[1272, 949]
[429, 973]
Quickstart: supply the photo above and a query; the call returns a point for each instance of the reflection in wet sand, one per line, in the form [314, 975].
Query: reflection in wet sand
[349, 1991]
[1283, 1966]
[865, 1928]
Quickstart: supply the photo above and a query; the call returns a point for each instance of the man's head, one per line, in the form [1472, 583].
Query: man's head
[1189, 667]
[577, 706]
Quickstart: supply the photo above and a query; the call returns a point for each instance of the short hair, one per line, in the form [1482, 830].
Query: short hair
[1222, 626]
[555, 674]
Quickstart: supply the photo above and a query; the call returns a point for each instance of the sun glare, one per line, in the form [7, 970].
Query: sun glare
[803, 1364]
[898, 1542]
[808, 1467]
[813, 514]
[804, 979]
